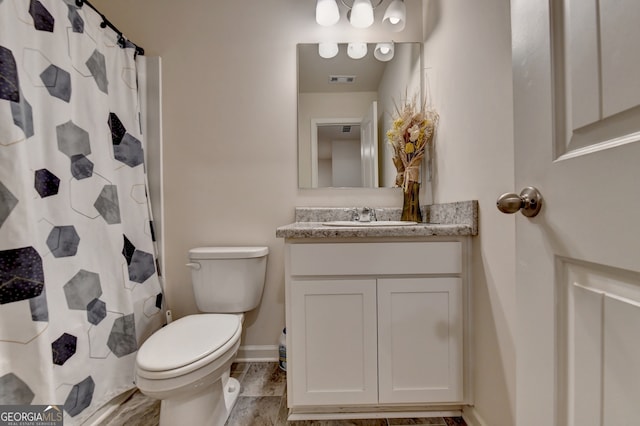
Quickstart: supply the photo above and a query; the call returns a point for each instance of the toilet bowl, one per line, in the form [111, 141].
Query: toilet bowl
[187, 363]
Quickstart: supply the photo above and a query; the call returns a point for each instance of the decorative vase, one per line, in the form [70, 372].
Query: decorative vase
[411, 203]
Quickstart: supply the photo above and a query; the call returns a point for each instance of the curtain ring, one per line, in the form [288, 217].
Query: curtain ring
[121, 41]
[79, 3]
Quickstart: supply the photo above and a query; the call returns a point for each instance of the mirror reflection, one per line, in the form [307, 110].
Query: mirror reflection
[344, 111]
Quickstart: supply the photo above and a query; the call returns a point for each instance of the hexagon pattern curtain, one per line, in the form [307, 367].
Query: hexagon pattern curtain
[78, 283]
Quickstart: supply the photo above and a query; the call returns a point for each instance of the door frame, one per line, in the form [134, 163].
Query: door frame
[318, 122]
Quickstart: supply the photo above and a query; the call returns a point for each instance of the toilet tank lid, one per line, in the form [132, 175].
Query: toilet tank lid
[227, 252]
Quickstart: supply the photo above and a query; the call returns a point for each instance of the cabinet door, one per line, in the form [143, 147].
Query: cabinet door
[420, 340]
[334, 342]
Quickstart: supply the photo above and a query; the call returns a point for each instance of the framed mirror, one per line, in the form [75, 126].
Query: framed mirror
[345, 107]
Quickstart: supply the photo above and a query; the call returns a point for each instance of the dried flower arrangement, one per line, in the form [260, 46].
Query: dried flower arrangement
[413, 129]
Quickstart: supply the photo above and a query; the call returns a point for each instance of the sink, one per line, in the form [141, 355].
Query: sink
[378, 223]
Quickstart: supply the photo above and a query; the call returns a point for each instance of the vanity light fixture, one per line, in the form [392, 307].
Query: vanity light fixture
[395, 16]
[327, 50]
[360, 13]
[357, 50]
[383, 51]
[327, 12]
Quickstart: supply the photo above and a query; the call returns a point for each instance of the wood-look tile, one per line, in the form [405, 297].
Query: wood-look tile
[344, 422]
[239, 370]
[418, 421]
[262, 402]
[139, 410]
[283, 412]
[263, 379]
[255, 411]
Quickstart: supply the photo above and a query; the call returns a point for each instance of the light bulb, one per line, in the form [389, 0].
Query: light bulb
[327, 12]
[383, 51]
[395, 16]
[357, 50]
[327, 50]
[361, 14]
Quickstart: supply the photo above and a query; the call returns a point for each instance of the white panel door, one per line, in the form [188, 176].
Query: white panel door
[334, 338]
[576, 70]
[420, 323]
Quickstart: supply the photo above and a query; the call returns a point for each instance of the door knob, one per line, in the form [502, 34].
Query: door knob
[529, 202]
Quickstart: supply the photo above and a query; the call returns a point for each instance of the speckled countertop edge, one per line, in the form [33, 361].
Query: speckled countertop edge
[448, 219]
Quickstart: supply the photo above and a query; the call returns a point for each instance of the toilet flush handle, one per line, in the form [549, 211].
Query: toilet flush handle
[194, 265]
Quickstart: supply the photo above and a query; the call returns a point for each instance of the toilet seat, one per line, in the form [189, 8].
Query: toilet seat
[188, 344]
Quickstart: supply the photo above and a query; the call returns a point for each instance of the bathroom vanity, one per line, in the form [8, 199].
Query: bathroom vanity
[378, 318]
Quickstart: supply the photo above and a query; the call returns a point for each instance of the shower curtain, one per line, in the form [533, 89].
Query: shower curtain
[79, 289]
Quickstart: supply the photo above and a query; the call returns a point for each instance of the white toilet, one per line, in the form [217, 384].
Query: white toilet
[187, 363]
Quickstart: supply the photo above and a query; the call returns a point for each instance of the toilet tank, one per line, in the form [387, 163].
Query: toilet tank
[228, 279]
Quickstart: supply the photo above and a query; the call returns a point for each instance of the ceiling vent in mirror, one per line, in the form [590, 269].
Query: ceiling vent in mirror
[346, 129]
[342, 79]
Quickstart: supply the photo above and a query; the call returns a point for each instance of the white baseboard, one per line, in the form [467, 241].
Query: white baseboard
[258, 353]
[472, 418]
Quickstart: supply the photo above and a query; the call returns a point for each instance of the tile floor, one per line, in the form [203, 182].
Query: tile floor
[262, 402]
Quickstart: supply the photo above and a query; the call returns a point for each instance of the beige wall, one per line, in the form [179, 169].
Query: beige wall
[229, 122]
[230, 175]
[468, 60]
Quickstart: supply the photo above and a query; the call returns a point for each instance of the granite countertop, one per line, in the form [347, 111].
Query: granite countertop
[450, 219]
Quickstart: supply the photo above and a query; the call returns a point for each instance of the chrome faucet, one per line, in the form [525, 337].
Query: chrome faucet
[367, 215]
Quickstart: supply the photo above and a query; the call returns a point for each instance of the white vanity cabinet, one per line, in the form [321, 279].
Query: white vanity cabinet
[333, 349]
[419, 340]
[376, 324]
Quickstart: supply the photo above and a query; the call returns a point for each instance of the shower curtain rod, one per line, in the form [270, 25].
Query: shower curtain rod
[106, 23]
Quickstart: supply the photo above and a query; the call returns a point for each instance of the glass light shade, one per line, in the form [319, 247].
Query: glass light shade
[357, 50]
[327, 12]
[395, 16]
[383, 52]
[362, 14]
[327, 50]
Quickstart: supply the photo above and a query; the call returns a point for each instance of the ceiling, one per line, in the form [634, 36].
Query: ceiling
[314, 71]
